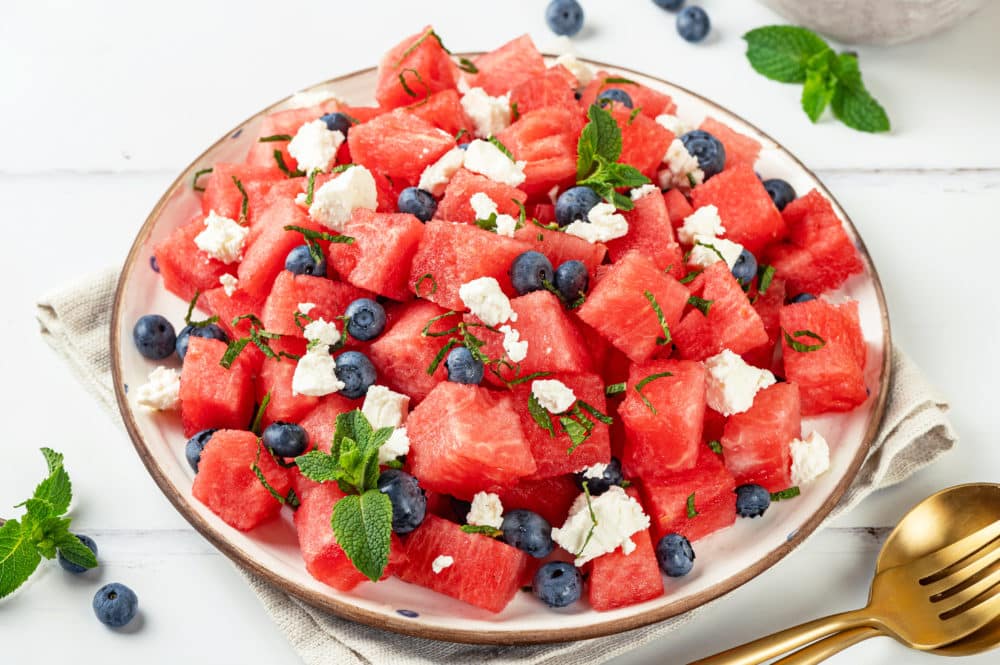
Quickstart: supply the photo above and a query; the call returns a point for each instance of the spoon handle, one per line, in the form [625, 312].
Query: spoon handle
[817, 652]
[772, 646]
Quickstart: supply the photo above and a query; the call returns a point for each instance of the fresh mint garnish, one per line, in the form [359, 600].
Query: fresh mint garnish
[800, 346]
[340, 168]
[190, 312]
[467, 65]
[707, 245]
[691, 511]
[700, 304]
[420, 280]
[715, 446]
[408, 90]
[258, 418]
[789, 493]
[515, 112]
[462, 132]
[660, 318]
[258, 337]
[464, 64]
[485, 530]
[244, 203]
[279, 159]
[593, 519]
[615, 389]
[312, 239]
[765, 279]
[541, 415]
[634, 114]
[501, 147]
[792, 54]
[311, 191]
[597, 166]
[42, 531]
[577, 423]
[612, 80]
[292, 499]
[274, 138]
[688, 278]
[198, 174]
[645, 382]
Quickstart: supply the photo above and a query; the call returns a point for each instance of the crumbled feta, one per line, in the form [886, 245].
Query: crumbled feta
[484, 207]
[306, 307]
[603, 224]
[441, 562]
[316, 374]
[704, 256]
[595, 470]
[384, 407]
[314, 146]
[683, 170]
[810, 458]
[304, 99]
[554, 395]
[321, 332]
[223, 238]
[436, 177]
[732, 384]
[486, 159]
[645, 190]
[489, 115]
[560, 44]
[397, 445]
[162, 391]
[513, 346]
[486, 510]
[485, 299]
[229, 284]
[334, 202]
[704, 221]
[581, 70]
[618, 518]
[673, 124]
[506, 226]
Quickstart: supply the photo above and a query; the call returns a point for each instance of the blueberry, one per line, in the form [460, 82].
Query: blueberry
[286, 439]
[72, 567]
[802, 297]
[528, 532]
[356, 372]
[752, 500]
[337, 122]
[154, 264]
[462, 367]
[612, 476]
[669, 5]
[418, 202]
[709, 151]
[571, 279]
[464, 146]
[154, 337]
[565, 17]
[115, 605]
[211, 331]
[529, 272]
[745, 268]
[693, 24]
[558, 584]
[409, 504]
[615, 95]
[674, 554]
[780, 192]
[365, 319]
[574, 204]
[300, 262]
[195, 445]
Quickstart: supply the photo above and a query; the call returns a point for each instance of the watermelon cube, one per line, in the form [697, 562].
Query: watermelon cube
[651, 234]
[757, 442]
[546, 139]
[223, 196]
[288, 122]
[549, 497]
[228, 486]
[321, 422]
[651, 102]
[504, 68]
[768, 306]
[380, 257]
[554, 87]
[619, 309]
[464, 439]
[831, 377]
[398, 144]
[678, 207]
[211, 395]
[619, 580]
[268, 243]
[444, 110]
[455, 206]
[663, 412]
[741, 150]
[228, 307]
[185, 268]
[486, 572]
[331, 299]
[559, 247]
[424, 63]
[644, 141]
[275, 379]
[402, 355]
[746, 209]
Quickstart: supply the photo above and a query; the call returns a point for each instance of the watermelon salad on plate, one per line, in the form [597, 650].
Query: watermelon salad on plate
[512, 323]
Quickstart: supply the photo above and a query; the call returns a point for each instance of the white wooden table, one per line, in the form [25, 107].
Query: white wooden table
[102, 103]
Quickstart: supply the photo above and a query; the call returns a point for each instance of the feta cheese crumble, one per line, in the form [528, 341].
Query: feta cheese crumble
[554, 395]
[316, 374]
[705, 256]
[618, 518]
[397, 445]
[582, 71]
[604, 224]
[485, 299]
[489, 115]
[314, 146]
[385, 408]
[810, 458]
[484, 207]
[334, 202]
[673, 124]
[162, 391]
[321, 332]
[515, 349]
[486, 159]
[645, 190]
[704, 221]
[306, 307]
[441, 562]
[683, 170]
[304, 99]
[595, 470]
[436, 177]
[731, 384]
[486, 510]
[229, 284]
[223, 238]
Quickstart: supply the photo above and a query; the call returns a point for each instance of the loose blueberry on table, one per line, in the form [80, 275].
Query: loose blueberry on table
[565, 17]
[115, 605]
[693, 24]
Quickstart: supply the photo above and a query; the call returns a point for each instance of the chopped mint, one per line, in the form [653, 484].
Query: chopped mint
[482, 529]
[688, 278]
[340, 168]
[700, 304]
[541, 415]
[245, 203]
[198, 174]
[275, 138]
[420, 280]
[311, 189]
[615, 389]
[467, 65]
[279, 159]
[258, 418]
[634, 114]
[660, 318]
[766, 277]
[420, 80]
[612, 80]
[800, 346]
[789, 493]
[645, 382]
[190, 312]
[593, 519]
[715, 446]
[292, 499]
[691, 512]
[501, 147]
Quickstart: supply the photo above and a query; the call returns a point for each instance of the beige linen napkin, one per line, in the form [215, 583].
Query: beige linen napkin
[75, 321]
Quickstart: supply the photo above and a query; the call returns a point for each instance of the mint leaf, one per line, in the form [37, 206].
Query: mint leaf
[317, 466]
[782, 52]
[691, 511]
[645, 382]
[715, 446]
[800, 346]
[603, 134]
[18, 557]
[660, 318]
[74, 551]
[789, 493]
[45, 532]
[541, 415]
[576, 431]
[482, 529]
[198, 174]
[53, 495]
[362, 525]
[501, 147]
[817, 92]
[614, 388]
[852, 104]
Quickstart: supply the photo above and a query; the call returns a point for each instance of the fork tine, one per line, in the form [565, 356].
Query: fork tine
[945, 584]
[936, 562]
[970, 593]
[971, 620]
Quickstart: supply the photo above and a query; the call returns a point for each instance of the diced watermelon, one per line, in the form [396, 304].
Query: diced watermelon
[832, 377]
[380, 257]
[619, 580]
[275, 379]
[757, 442]
[228, 486]
[746, 209]
[768, 306]
[228, 308]
[424, 63]
[287, 122]
[504, 68]
[543, 213]
[651, 102]
[741, 150]
[402, 354]
[549, 497]
[387, 190]
[331, 299]
[464, 439]
[731, 323]
[321, 423]
[554, 87]
[644, 141]
[677, 206]
[455, 206]
[211, 395]
[398, 144]
[185, 268]
[444, 110]
[650, 233]
[664, 434]
[486, 572]
[546, 139]
[269, 243]
[559, 247]
[224, 197]
[618, 308]
[449, 255]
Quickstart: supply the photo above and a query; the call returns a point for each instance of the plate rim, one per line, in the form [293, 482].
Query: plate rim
[343, 608]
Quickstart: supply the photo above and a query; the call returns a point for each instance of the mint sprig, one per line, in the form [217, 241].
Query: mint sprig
[42, 531]
[597, 166]
[791, 54]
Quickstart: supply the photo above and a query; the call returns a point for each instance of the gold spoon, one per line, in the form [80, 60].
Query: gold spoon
[928, 602]
[975, 506]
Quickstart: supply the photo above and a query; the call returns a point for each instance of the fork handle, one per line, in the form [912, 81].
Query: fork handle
[772, 646]
[817, 652]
